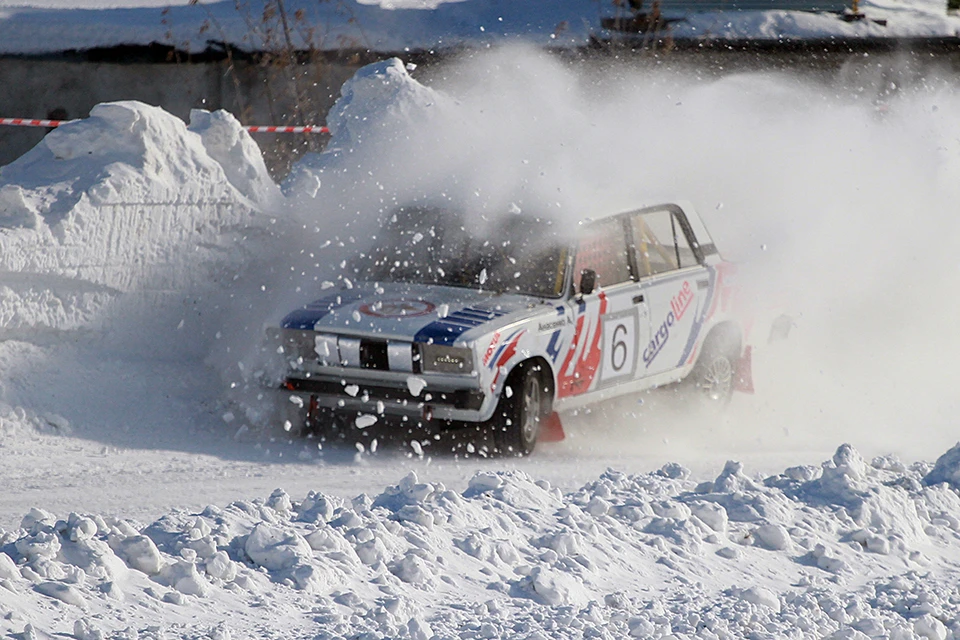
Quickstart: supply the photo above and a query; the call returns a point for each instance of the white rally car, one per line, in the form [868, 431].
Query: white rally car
[442, 324]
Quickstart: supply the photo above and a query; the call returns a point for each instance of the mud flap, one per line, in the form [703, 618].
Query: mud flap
[312, 419]
[743, 375]
[551, 429]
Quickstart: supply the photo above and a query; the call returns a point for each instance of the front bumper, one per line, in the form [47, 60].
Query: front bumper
[360, 391]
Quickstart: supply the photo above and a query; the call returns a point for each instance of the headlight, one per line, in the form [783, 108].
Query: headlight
[441, 359]
[307, 346]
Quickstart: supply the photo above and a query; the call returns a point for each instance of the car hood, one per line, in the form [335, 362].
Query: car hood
[437, 314]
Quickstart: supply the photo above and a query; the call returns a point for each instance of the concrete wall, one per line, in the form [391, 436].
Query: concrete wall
[35, 88]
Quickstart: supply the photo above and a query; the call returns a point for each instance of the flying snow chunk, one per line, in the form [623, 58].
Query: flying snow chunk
[365, 420]
[416, 384]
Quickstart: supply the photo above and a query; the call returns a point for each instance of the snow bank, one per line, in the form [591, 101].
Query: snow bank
[381, 101]
[127, 201]
[123, 233]
[846, 550]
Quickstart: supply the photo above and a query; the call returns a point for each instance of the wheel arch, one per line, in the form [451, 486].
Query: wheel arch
[546, 373]
[726, 336]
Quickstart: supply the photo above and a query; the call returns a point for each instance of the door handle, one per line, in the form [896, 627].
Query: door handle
[703, 284]
[638, 299]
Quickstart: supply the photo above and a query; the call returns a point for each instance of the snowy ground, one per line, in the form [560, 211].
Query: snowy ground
[43, 26]
[140, 258]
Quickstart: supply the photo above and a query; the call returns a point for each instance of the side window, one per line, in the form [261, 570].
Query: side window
[660, 243]
[603, 248]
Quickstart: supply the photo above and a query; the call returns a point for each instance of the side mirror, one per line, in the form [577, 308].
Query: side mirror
[588, 281]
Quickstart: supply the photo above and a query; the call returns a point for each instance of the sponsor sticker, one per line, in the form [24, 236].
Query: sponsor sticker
[681, 302]
[679, 305]
[658, 340]
[491, 348]
[552, 325]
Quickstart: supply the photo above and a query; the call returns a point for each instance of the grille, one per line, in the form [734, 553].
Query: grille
[373, 355]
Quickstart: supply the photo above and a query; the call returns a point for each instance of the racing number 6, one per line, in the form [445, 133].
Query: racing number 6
[619, 333]
[618, 350]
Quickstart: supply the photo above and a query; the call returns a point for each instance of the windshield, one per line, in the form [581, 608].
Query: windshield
[517, 254]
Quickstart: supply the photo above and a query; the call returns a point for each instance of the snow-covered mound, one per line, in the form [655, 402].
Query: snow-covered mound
[380, 102]
[128, 229]
[128, 200]
[845, 550]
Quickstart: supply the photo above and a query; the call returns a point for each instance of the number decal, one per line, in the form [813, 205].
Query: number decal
[618, 354]
[619, 339]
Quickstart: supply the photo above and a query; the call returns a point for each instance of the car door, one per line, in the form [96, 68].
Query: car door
[612, 321]
[674, 283]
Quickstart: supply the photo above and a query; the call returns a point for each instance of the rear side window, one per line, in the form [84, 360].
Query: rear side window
[659, 243]
[603, 248]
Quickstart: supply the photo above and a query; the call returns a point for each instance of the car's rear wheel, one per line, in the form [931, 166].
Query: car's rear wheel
[715, 379]
[523, 405]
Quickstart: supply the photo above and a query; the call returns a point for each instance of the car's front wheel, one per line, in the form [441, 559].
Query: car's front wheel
[523, 405]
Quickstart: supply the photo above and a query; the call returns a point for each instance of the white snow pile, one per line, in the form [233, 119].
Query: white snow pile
[378, 103]
[849, 549]
[137, 231]
[127, 201]
[130, 228]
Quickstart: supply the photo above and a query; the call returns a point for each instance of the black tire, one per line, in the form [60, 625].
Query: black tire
[318, 424]
[516, 422]
[714, 376]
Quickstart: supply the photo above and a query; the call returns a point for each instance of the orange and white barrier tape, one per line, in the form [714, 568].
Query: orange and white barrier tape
[26, 122]
[305, 129]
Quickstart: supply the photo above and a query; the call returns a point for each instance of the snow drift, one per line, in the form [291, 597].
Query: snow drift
[848, 549]
[127, 201]
[118, 236]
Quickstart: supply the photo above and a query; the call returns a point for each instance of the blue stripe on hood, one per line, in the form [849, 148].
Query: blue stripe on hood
[445, 331]
[308, 316]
